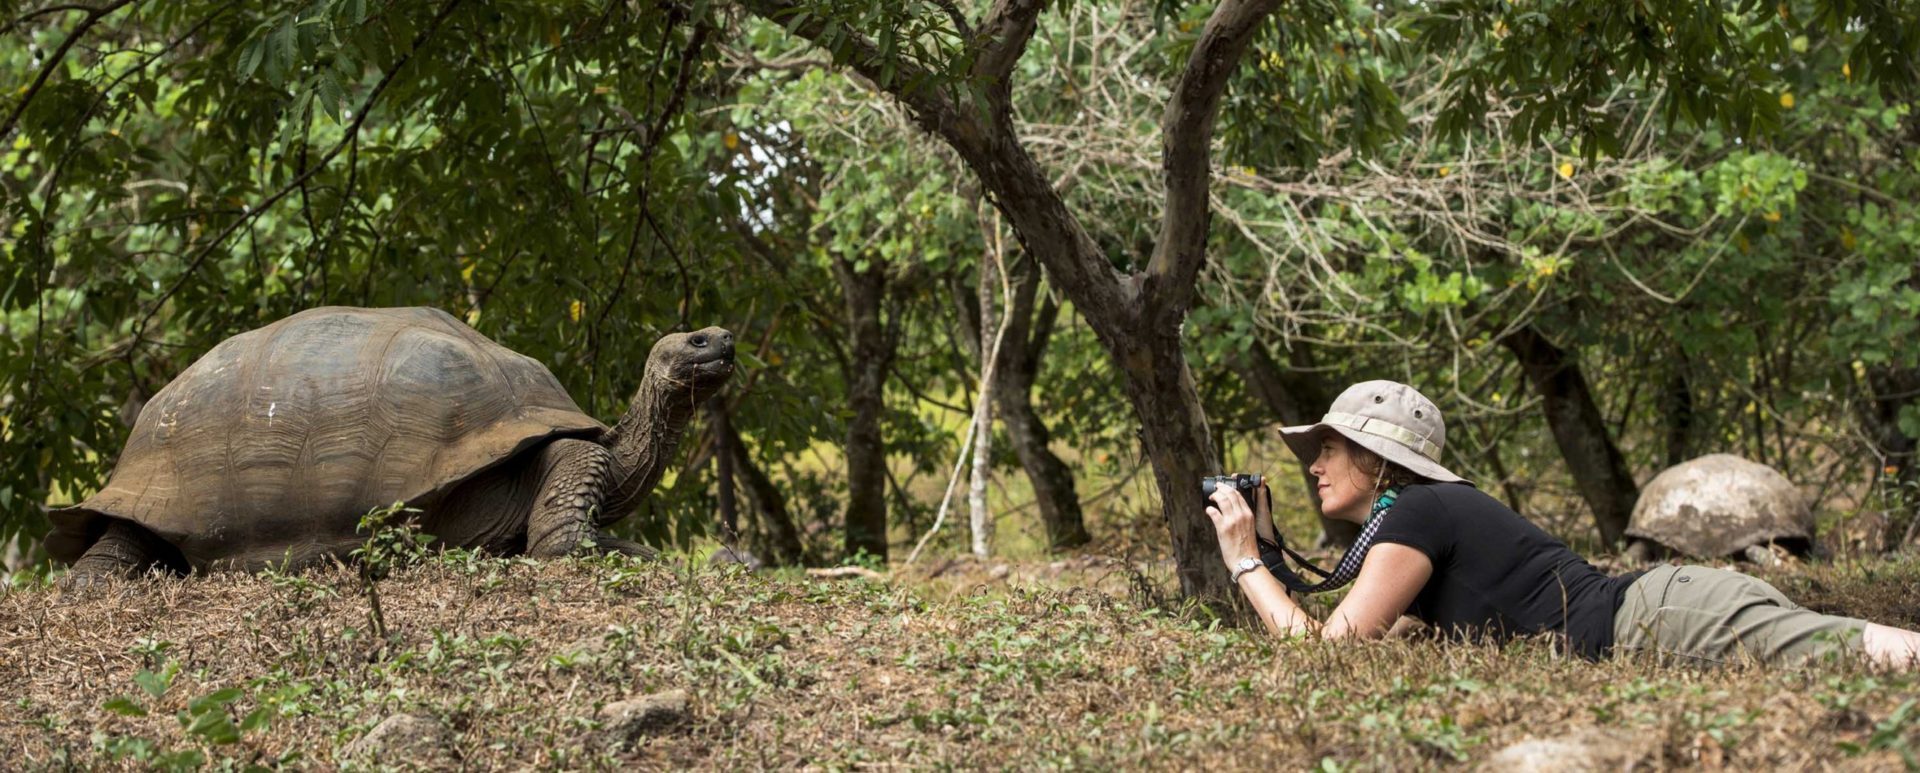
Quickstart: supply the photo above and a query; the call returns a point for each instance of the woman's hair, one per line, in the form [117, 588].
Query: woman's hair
[1386, 474]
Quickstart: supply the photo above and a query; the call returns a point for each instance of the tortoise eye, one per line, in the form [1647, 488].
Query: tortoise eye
[698, 341]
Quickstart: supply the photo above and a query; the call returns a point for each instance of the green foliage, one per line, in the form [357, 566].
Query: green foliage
[394, 540]
[206, 721]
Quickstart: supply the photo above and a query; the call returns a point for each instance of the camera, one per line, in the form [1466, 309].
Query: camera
[1247, 483]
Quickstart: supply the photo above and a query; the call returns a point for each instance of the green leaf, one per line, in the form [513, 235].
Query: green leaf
[250, 58]
[214, 727]
[256, 719]
[156, 684]
[214, 700]
[124, 706]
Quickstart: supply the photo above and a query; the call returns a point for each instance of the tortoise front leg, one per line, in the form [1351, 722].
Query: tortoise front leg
[124, 551]
[575, 476]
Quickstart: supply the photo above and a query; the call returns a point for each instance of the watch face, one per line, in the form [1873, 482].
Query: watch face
[1249, 564]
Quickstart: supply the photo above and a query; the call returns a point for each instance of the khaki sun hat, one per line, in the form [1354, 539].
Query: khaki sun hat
[1386, 417]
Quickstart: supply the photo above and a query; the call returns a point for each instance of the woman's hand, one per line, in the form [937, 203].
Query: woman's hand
[1233, 524]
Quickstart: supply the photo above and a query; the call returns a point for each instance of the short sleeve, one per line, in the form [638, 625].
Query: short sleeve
[1418, 520]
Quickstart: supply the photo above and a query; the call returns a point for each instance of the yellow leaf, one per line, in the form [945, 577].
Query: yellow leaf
[1499, 28]
[473, 317]
[574, 310]
[774, 358]
[1772, 216]
[731, 140]
[1846, 70]
[602, 89]
[1566, 169]
[1786, 100]
[1783, 11]
[1846, 238]
[466, 270]
[1446, 170]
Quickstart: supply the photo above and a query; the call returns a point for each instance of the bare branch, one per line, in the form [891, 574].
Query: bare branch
[1186, 143]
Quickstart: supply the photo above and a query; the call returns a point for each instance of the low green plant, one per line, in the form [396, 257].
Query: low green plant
[394, 540]
[206, 721]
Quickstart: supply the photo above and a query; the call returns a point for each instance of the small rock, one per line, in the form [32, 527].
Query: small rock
[999, 571]
[726, 556]
[1587, 749]
[415, 739]
[587, 649]
[624, 722]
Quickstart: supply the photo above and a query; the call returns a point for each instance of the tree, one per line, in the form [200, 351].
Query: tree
[955, 79]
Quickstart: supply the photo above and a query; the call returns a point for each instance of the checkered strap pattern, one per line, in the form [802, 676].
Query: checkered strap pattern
[1343, 572]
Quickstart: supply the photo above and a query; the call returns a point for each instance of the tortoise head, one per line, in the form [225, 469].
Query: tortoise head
[700, 361]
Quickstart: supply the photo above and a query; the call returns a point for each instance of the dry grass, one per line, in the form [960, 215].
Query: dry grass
[516, 656]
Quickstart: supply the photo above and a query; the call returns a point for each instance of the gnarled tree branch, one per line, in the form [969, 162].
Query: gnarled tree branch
[1186, 142]
[906, 81]
[1003, 37]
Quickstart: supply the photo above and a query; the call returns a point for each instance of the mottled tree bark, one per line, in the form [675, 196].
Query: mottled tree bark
[866, 373]
[1030, 323]
[1599, 470]
[723, 458]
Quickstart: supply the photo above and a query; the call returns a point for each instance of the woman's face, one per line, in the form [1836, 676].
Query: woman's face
[1345, 491]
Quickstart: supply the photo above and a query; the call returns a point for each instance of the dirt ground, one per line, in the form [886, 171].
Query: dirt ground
[1036, 665]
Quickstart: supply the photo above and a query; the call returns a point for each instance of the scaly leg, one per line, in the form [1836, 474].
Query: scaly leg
[575, 476]
[125, 550]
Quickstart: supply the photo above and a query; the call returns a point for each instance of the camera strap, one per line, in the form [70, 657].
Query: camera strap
[1275, 554]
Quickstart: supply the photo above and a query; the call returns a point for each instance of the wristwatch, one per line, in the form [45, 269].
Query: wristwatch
[1243, 566]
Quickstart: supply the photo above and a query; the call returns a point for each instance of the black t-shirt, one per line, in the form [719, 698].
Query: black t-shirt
[1496, 575]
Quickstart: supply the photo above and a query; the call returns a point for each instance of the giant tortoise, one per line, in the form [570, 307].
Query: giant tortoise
[1720, 506]
[270, 448]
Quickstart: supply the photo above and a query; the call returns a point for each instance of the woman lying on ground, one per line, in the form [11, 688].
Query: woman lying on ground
[1434, 547]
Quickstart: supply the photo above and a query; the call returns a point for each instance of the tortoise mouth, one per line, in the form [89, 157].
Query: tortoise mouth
[711, 371]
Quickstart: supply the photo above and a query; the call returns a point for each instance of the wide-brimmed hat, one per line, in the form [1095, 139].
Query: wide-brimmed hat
[1386, 417]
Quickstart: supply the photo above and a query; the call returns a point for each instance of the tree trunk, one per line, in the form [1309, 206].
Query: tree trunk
[1138, 316]
[1180, 447]
[1599, 471]
[781, 540]
[1677, 406]
[1028, 331]
[979, 521]
[723, 457]
[866, 371]
[1295, 397]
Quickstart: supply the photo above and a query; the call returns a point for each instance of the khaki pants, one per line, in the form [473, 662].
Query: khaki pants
[1704, 615]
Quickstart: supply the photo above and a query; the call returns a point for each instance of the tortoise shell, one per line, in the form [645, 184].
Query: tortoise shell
[1718, 505]
[276, 442]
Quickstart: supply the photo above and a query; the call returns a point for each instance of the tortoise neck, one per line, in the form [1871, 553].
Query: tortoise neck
[644, 440]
